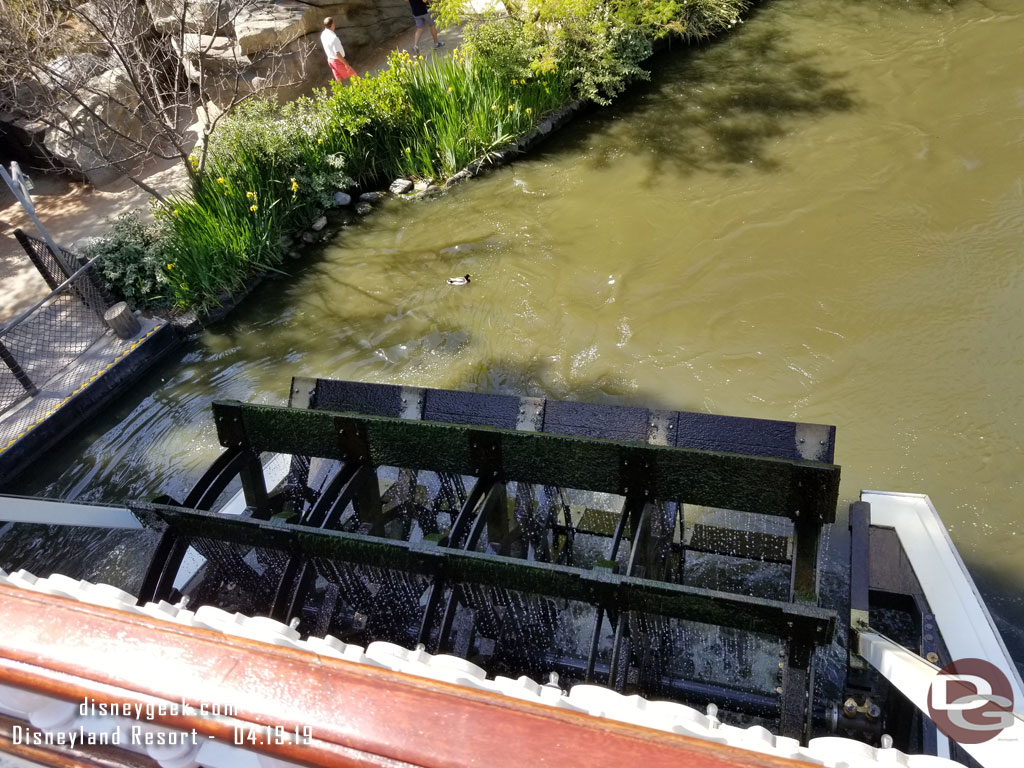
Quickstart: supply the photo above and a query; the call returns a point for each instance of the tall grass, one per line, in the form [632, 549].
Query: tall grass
[427, 119]
[272, 169]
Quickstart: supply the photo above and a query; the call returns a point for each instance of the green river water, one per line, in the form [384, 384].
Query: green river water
[819, 218]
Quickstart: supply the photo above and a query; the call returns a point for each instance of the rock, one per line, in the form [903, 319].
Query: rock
[217, 53]
[432, 191]
[546, 127]
[342, 198]
[372, 197]
[112, 99]
[118, 21]
[265, 26]
[286, 73]
[204, 17]
[207, 113]
[319, 224]
[71, 71]
[308, 237]
[422, 184]
[294, 255]
[363, 208]
[400, 186]
[458, 178]
[363, 25]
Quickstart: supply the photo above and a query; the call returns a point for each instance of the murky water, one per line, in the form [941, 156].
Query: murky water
[820, 218]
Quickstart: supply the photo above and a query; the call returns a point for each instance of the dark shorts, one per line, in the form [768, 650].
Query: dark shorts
[423, 20]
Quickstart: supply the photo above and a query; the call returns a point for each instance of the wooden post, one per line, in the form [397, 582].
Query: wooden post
[122, 321]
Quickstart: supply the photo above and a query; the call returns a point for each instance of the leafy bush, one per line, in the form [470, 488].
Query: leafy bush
[601, 53]
[132, 261]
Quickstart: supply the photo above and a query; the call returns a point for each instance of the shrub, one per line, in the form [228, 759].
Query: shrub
[132, 260]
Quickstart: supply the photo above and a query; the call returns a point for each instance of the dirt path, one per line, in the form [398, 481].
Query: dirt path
[72, 211]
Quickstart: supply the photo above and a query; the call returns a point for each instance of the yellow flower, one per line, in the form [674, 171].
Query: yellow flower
[220, 180]
[295, 186]
[254, 208]
[170, 266]
[513, 82]
[408, 150]
[319, 141]
[175, 211]
[511, 108]
[450, 89]
[250, 195]
[529, 111]
[494, 107]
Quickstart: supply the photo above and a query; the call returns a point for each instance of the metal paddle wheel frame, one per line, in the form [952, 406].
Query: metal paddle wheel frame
[656, 461]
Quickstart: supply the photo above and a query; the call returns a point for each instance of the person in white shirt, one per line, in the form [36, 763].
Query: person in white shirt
[335, 53]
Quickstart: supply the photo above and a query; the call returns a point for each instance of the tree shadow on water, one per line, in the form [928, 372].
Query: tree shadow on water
[718, 107]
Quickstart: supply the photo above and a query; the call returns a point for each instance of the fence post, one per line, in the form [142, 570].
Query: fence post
[17, 370]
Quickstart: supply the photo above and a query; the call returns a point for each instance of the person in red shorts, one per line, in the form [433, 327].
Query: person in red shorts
[335, 53]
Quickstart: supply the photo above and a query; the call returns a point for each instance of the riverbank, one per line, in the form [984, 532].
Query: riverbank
[73, 211]
[272, 171]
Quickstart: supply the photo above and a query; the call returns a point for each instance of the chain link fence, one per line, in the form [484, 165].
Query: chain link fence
[49, 336]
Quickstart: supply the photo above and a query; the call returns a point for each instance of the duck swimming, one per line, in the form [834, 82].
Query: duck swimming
[464, 280]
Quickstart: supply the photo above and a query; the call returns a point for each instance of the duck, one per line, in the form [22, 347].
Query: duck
[464, 280]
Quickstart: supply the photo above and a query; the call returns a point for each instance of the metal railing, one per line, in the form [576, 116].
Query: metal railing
[49, 336]
[54, 268]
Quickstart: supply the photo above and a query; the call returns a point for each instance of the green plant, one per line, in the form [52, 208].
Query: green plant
[132, 260]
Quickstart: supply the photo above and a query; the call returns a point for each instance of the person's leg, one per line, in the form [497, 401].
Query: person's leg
[419, 32]
[433, 32]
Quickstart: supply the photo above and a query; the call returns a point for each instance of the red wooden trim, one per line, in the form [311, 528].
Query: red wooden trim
[359, 715]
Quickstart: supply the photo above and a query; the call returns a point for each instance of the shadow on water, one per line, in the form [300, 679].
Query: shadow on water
[717, 107]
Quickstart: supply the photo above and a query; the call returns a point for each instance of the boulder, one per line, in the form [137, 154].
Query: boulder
[205, 17]
[266, 26]
[363, 208]
[372, 197]
[457, 178]
[71, 71]
[227, 72]
[319, 224]
[400, 186]
[342, 198]
[362, 25]
[112, 99]
[219, 55]
[115, 19]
